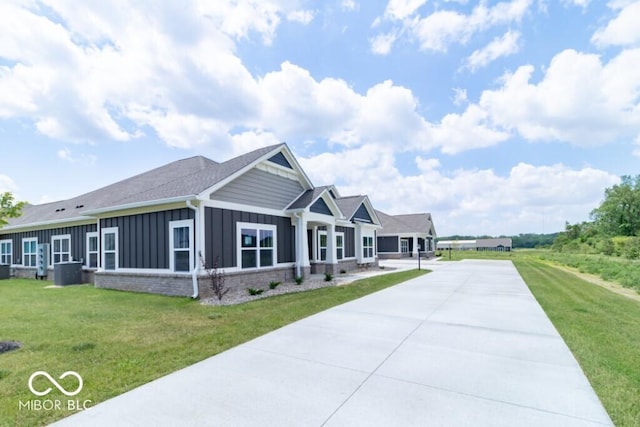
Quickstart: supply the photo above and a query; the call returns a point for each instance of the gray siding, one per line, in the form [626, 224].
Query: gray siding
[260, 188]
[320, 206]
[143, 239]
[78, 239]
[388, 244]
[281, 160]
[221, 235]
[349, 241]
[362, 214]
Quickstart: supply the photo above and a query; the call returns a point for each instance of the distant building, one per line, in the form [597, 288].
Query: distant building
[503, 244]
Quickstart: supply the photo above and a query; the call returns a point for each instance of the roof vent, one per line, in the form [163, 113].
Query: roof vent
[79, 206]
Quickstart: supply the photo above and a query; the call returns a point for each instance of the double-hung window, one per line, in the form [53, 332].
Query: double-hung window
[6, 251]
[61, 248]
[404, 246]
[257, 245]
[322, 245]
[340, 245]
[367, 246]
[181, 245]
[29, 251]
[110, 248]
[92, 250]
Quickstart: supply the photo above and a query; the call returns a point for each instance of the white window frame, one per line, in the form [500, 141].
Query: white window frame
[321, 234]
[33, 255]
[366, 247]
[339, 235]
[104, 252]
[258, 227]
[62, 254]
[89, 252]
[186, 223]
[404, 246]
[4, 254]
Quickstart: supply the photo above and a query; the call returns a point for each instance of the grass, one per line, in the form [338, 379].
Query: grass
[117, 340]
[601, 328]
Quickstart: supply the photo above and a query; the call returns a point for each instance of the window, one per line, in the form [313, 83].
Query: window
[61, 248]
[322, 245]
[181, 245]
[404, 246]
[257, 245]
[6, 251]
[92, 250]
[367, 247]
[340, 245]
[29, 251]
[110, 248]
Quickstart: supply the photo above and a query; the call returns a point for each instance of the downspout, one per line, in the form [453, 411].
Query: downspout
[196, 269]
[298, 216]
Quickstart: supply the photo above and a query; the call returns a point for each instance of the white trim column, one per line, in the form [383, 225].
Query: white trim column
[332, 253]
[415, 251]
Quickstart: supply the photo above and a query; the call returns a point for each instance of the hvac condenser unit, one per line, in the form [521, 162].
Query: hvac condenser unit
[42, 261]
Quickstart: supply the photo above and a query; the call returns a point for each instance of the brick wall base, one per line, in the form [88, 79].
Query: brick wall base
[239, 281]
[153, 283]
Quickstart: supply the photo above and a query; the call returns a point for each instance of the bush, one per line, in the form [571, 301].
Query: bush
[254, 291]
[273, 284]
[299, 280]
[343, 271]
[328, 277]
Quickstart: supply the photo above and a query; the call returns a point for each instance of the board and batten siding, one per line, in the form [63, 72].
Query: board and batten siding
[362, 214]
[260, 188]
[78, 235]
[143, 239]
[349, 241]
[388, 244]
[221, 238]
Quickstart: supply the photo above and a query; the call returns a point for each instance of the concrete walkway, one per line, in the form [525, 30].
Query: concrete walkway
[465, 345]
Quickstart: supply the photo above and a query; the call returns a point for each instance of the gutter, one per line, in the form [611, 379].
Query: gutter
[196, 249]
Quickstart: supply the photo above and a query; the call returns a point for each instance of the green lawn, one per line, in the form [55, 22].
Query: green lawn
[119, 340]
[601, 328]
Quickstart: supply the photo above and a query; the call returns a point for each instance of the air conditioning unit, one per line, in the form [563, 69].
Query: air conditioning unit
[42, 260]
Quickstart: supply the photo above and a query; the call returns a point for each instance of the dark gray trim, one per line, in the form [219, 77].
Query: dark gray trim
[78, 235]
[221, 240]
[320, 207]
[280, 159]
[143, 239]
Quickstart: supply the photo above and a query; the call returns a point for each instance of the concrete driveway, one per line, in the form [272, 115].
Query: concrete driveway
[465, 345]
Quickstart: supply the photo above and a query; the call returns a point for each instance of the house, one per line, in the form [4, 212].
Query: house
[405, 235]
[256, 217]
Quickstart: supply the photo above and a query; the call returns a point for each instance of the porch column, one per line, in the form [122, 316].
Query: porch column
[302, 245]
[416, 248]
[332, 250]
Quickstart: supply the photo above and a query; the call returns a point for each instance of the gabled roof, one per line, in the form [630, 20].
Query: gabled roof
[182, 178]
[409, 223]
[351, 204]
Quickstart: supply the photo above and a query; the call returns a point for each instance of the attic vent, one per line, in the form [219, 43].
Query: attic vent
[60, 209]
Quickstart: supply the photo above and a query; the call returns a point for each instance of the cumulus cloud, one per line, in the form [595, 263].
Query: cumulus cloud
[445, 27]
[507, 44]
[473, 201]
[85, 159]
[7, 184]
[623, 30]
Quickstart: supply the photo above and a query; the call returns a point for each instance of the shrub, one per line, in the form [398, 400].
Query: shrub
[343, 271]
[216, 278]
[299, 280]
[328, 277]
[254, 291]
[273, 284]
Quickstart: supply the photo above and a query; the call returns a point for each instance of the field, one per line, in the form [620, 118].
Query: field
[117, 340]
[601, 328]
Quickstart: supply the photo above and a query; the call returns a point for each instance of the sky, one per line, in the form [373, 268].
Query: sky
[497, 117]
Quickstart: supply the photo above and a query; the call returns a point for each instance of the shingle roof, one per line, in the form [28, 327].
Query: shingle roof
[410, 223]
[349, 205]
[306, 198]
[181, 178]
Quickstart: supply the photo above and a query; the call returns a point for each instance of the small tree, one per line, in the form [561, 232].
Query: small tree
[9, 208]
[215, 276]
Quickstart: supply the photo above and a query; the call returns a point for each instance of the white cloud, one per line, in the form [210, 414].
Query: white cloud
[446, 27]
[382, 43]
[349, 5]
[400, 9]
[302, 16]
[460, 96]
[579, 100]
[85, 159]
[506, 45]
[7, 184]
[467, 201]
[623, 30]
